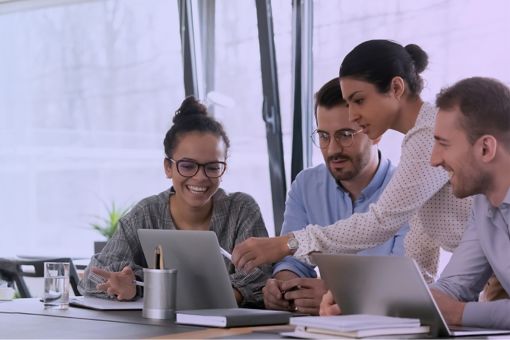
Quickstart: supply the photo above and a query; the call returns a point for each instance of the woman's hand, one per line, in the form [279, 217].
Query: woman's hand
[256, 251]
[120, 284]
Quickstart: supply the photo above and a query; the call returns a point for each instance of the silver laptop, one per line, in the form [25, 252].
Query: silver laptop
[202, 277]
[386, 285]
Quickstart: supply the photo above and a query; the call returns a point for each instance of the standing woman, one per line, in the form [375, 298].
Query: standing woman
[381, 83]
[196, 149]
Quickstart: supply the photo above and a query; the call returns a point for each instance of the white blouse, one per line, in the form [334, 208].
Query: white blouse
[418, 193]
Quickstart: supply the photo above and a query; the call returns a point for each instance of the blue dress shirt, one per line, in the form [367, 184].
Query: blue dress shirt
[316, 198]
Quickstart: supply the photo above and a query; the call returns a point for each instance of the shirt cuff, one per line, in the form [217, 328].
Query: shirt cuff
[279, 267]
[304, 248]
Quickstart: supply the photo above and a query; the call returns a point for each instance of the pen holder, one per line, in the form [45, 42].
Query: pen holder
[159, 293]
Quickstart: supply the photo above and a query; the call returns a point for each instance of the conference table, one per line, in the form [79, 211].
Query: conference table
[27, 318]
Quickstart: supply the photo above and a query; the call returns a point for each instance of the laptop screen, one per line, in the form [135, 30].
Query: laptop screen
[386, 285]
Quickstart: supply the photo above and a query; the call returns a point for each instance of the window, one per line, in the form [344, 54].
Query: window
[88, 91]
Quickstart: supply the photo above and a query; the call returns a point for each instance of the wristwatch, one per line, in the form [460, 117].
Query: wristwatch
[292, 244]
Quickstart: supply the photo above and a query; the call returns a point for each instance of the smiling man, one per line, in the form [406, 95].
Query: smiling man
[472, 142]
[353, 176]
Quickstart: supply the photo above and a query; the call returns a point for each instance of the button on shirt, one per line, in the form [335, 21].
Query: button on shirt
[315, 197]
[484, 249]
[418, 194]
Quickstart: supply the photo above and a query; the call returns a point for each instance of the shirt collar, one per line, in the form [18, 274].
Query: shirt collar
[505, 204]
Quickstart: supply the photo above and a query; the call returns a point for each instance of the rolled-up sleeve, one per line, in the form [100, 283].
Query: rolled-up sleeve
[122, 250]
[494, 314]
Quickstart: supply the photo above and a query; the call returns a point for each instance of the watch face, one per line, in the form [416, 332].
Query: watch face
[293, 244]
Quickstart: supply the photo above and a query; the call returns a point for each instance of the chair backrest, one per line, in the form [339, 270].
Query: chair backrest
[13, 271]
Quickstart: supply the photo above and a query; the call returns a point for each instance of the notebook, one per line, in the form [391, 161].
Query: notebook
[232, 317]
[386, 285]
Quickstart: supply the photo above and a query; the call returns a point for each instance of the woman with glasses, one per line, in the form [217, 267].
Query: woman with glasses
[196, 149]
[380, 80]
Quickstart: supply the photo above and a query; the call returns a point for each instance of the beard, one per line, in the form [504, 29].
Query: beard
[351, 168]
[471, 184]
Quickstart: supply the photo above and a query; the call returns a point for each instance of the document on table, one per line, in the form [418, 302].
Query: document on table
[105, 304]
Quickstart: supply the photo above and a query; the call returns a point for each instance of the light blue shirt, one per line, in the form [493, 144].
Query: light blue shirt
[484, 249]
[316, 198]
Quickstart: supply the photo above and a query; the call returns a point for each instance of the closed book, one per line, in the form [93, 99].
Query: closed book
[232, 317]
[358, 326]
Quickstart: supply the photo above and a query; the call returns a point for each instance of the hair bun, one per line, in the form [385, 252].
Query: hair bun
[189, 107]
[419, 56]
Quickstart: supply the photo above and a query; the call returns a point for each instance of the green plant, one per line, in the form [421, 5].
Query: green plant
[108, 224]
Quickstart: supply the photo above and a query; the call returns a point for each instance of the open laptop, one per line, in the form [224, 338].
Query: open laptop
[202, 278]
[386, 285]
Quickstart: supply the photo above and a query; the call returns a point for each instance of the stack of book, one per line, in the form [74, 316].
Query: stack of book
[354, 326]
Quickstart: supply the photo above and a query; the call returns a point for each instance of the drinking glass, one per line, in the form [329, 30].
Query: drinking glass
[56, 285]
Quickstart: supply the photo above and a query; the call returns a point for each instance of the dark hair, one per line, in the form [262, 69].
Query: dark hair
[192, 117]
[484, 104]
[329, 95]
[379, 61]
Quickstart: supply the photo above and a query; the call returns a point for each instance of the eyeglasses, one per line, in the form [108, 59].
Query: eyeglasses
[345, 138]
[189, 168]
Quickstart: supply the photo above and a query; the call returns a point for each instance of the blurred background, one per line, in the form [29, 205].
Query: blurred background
[88, 89]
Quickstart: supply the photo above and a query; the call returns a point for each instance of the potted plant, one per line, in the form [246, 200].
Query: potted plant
[108, 225]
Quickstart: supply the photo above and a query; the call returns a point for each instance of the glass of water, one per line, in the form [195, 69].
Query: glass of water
[56, 285]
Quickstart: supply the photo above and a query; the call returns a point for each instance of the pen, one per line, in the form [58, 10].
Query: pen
[159, 262]
[225, 253]
[138, 283]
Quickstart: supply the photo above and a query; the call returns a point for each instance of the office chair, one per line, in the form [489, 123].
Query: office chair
[12, 271]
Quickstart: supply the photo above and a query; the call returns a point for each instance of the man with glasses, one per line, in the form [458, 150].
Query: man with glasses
[353, 176]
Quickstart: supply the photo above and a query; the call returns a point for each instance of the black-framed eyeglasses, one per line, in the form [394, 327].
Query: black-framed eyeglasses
[189, 168]
[345, 138]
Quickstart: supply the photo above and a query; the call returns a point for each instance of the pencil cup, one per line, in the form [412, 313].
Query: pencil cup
[159, 293]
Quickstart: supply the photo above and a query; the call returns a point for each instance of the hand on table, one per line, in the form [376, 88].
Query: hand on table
[118, 284]
[328, 305]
